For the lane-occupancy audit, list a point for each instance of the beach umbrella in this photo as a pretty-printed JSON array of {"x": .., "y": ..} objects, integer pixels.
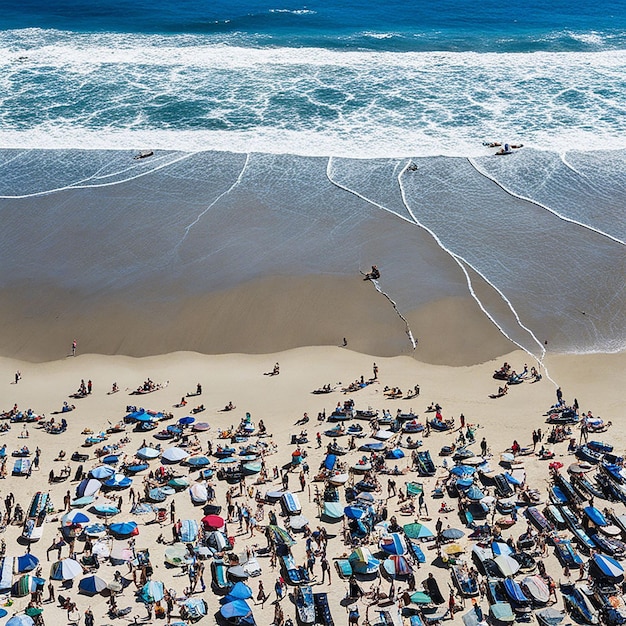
[
  {"x": 92, "y": 585},
  {"x": 26, "y": 584},
  {"x": 235, "y": 609},
  {"x": 175, "y": 430},
  {"x": 212, "y": 522},
  {"x": 397, "y": 565},
  {"x": 354, "y": 512},
  {"x": 393, "y": 543},
  {"x": 452, "y": 534},
  {"x": 174, "y": 455},
  {"x": 88, "y": 487},
  {"x": 177, "y": 555},
  {"x": 118, "y": 481},
  {"x": 239, "y": 591},
  {"x": 152, "y": 591},
  {"x": 228, "y": 459},
  {"x": 178, "y": 483},
  {"x": 3, "y": 613},
  {"x": 66, "y": 569},
  {"x": 148, "y": 453},
  {"x": 20, "y": 620},
  {"x": 157, "y": 495},
  {"x": 198, "y": 493},
  {"x": 185, "y": 421},
  {"x": 453, "y": 548},
  {"x": 95, "y": 530},
  {"x": 75, "y": 517},
  {"x": 417, "y": 531},
  {"x": 105, "y": 509},
  {"x": 111, "y": 459},
  {"x": 362, "y": 561},
  {"x": 500, "y": 547},
  {"x": 198, "y": 461},
  {"x": 26, "y": 563},
  {"x": 201, "y": 426},
  {"x": 102, "y": 472},
  {"x": 124, "y": 529},
  {"x": 365, "y": 497}
]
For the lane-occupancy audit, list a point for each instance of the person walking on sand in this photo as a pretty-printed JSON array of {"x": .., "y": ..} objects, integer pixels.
[
  {"x": 375, "y": 370},
  {"x": 74, "y": 347},
  {"x": 18, "y": 376}
]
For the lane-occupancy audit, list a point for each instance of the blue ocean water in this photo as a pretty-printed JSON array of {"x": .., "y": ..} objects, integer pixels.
[{"x": 390, "y": 104}]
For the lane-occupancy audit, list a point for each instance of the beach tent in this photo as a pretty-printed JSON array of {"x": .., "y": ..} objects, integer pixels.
[
  {"x": 396, "y": 453},
  {"x": 27, "y": 584},
  {"x": 26, "y": 563},
  {"x": 330, "y": 461},
  {"x": 66, "y": 569}
]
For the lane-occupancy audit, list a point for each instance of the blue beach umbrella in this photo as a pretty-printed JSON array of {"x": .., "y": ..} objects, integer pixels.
[
  {"x": 123, "y": 529},
  {"x": 175, "y": 430},
  {"x": 20, "y": 620},
  {"x": 105, "y": 509},
  {"x": 474, "y": 493},
  {"x": 198, "y": 461},
  {"x": 75, "y": 517},
  {"x": 111, "y": 459},
  {"x": 135, "y": 468},
  {"x": 118, "y": 481},
  {"x": 156, "y": 495},
  {"x": 102, "y": 472},
  {"x": 417, "y": 531},
  {"x": 185, "y": 421},
  {"x": 88, "y": 487},
  {"x": 228, "y": 459},
  {"x": 239, "y": 591},
  {"x": 174, "y": 455},
  {"x": 235, "y": 609},
  {"x": 353, "y": 512}
]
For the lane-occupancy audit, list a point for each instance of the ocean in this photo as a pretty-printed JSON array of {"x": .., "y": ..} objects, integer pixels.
[{"x": 288, "y": 136}]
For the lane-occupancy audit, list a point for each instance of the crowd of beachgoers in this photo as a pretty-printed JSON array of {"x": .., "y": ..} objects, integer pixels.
[{"x": 420, "y": 513}]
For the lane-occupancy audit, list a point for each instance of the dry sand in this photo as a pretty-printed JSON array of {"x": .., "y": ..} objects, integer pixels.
[{"x": 279, "y": 401}]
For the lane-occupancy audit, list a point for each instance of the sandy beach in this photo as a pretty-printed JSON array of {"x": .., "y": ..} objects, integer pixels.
[{"x": 280, "y": 401}]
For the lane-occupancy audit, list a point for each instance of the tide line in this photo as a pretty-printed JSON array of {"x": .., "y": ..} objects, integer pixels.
[{"x": 542, "y": 206}]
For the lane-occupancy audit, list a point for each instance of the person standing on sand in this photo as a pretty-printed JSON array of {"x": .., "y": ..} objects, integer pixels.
[
  {"x": 74, "y": 347},
  {"x": 375, "y": 370}
]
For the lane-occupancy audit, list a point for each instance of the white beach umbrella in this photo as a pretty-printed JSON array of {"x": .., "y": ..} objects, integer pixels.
[{"x": 174, "y": 455}]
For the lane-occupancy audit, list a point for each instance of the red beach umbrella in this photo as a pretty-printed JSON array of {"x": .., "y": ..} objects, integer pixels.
[{"x": 212, "y": 521}]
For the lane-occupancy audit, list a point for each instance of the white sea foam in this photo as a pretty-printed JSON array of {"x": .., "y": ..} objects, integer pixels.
[{"x": 113, "y": 91}]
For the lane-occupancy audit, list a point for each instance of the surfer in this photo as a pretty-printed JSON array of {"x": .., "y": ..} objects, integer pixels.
[{"x": 143, "y": 155}]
